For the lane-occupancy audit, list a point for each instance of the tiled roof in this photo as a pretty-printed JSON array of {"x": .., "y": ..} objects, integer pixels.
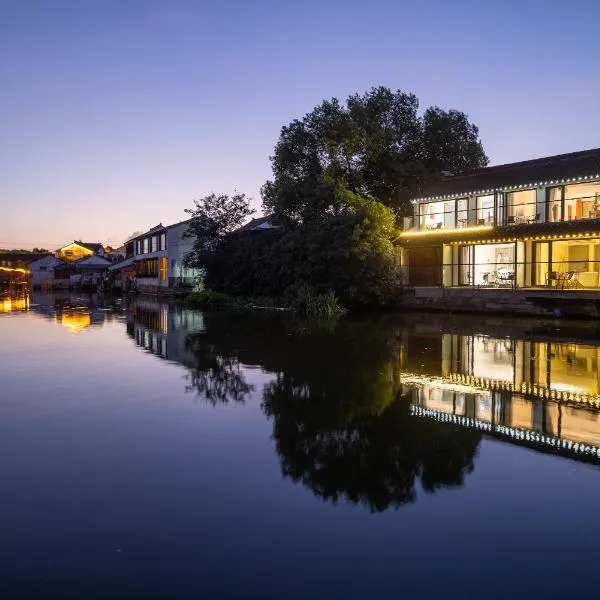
[
  {"x": 94, "y": 247},
  {"x": 258, "y": 223},
  {"x": 551, "y": 168}
]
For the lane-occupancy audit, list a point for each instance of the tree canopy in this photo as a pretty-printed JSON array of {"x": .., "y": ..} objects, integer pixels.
[
  {"x": 375, "y": 145},
  {"x": 212, "y": 219}
]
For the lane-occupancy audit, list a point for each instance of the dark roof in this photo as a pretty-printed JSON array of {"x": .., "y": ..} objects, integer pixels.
[
  {"x": 527, "y": 173},
  {"x": 155, "y": 229},
  {"x": 94, "y": 247},
  {"x": 255, "y": 224}
]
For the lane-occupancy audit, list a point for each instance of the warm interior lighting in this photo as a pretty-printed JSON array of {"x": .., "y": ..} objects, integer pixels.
[{"x": 13, "y": 270}]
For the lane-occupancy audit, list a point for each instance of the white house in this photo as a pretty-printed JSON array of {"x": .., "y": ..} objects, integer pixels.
[
  {"x": 158, "y": 256},
  {"x": 42, "y": 270},
  {"x": 85, "y": 272}
]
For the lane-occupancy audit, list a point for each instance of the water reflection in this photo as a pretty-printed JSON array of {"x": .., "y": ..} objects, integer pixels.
[
  {"x": 75, "y": 312},
  {"x": 340, "y": 425},
  {"x": 11, "y": 304},
  {"x": 541, "y": 393},
  {"x": 375, "y": 408}
]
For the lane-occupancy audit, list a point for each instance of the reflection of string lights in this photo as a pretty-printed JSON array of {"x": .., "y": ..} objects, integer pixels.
[
  {"x": 14, "y": 304},
  {"x": 469, "y": 384},
  {"x": 552, "y": 393},
  {"x": 514, "y": 433}
]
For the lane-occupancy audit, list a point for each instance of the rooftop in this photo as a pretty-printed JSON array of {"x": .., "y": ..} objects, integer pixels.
[{"x": 529, "y": 173}]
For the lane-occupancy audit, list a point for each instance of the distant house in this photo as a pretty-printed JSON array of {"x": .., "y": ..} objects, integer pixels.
[
  {"x": 78, "y": 249},
  {"x": 19, "y": 260},
  {"x": 267, "y": 223},
  {"x": 158, "y": 258},
  {"x": 42, "y": 270},
  {"x": 86, "y": 272}
]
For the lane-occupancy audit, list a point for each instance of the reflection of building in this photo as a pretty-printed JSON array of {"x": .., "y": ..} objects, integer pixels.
[
  {"x": 161, "y": 329},
  {"x": 533, "y": 224},
  {"x": 14, "y": 304},
  {"x": 537, "y": 392}
]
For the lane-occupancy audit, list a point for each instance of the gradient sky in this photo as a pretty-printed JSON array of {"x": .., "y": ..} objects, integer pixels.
[{"x": 116, "y": 114}]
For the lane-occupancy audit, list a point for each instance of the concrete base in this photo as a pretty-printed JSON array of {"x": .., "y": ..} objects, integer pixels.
[{"x": 530, "y": 302}]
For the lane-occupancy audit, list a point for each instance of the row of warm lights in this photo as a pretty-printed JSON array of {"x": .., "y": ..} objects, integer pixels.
[
  {"x": 527, "y": 388},
  {"x": 509, "y": 188},
  {"x": 13, "y": 270},
  {"x": 475, "y": 383},
  {"x": 513, "y": 432},
  {"x": 438, "y": 232},
  {"x": 529, "y": 238}
]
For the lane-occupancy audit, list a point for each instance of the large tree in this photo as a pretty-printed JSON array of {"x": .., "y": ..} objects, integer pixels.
[
  {"x": 212, "y": 219},
  {"x": 376, "y": 145}
]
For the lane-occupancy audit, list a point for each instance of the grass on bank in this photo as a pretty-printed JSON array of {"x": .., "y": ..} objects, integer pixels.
[{"x": 301, "y": 300}]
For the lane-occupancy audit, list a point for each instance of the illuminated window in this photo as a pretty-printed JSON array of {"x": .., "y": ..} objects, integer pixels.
[
  {"x": 521, "y": 207},
  {"x": 163, "y": 268}
]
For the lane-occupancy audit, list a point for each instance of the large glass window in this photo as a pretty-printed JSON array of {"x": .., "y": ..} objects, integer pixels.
[
  {"x": 521, "y": 207},
  {"x": 490, "y": 265},
  {"x": 485, "y": 210},
  {"x": 465, "y": 273},
  {"x": 462, "y": 212},
  {"x": 437, "y": 215},
  {"x": 555, "y": 204},
  {"x": 582, "y": 201},
  {"x": 568, "y": 264}
]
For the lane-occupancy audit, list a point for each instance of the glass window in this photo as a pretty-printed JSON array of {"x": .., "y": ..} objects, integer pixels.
[
  {"x": 163, "y": 268},
  {"x": 521, "y": 207},
  {"x": 555, "y": 204},
  {"x": 582, "y": 201},
  {"x": 542, "y": 263},
  {"x": 146, "y": 244},
  {"x": 437, "y": 215},
  {"x": 462, "y": 212},
  {"x": 485, "y": 210},
  {"x": 163, "y": 241},
  {"x": 491, "y": 265},
  {"x": 466, "y": 265}
]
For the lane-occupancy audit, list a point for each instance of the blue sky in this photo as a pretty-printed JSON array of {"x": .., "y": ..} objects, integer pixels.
[{"x": 116, "y": 114}]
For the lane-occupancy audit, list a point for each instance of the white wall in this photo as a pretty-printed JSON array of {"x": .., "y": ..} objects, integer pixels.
[
  {"x": 177, "y": 247},
  {"x": 42, "y": 270}
]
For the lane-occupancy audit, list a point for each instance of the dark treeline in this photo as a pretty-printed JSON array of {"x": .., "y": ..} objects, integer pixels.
[{"x": 342, "y": 179}]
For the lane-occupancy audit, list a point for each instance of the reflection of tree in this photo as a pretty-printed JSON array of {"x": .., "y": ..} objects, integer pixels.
[
  {"x": 339, "y": 424},
  {"x": 373, "y": 457},
  {"x": 219, "y": 379}
]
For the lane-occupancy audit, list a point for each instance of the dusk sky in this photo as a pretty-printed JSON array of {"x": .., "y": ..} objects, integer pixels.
[{"x": 116, "y": 114}]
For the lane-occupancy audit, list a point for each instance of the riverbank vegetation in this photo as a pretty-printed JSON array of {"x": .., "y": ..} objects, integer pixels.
[{"x": 342, "y": 179}]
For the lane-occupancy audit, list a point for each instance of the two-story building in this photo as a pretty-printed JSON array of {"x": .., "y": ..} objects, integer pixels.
[
  {"x": 155, "y": 260},
  {"x": 532, "y": 224}
]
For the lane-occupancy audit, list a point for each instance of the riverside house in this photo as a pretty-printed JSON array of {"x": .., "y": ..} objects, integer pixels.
[
  {"x": 532, "y": 225},
  {"x": 154, "y": 260}
]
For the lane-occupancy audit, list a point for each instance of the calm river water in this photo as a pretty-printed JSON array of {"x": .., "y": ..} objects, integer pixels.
[{"x": 152, "y": 452}]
